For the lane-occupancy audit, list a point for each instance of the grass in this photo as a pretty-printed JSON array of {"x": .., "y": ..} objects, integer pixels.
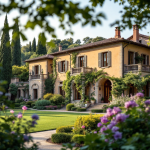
[{"x": 51, "y": 120}]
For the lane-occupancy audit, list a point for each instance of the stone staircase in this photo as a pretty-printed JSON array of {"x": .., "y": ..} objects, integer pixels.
[{"x": 97, "y": 106}]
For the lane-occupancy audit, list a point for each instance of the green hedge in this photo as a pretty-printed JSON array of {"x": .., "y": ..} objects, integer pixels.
[
  {"x": 57, "y": 99},
  {"x": 61, "y": 138},
  {"x": 74, "y": 108},
  {"x": 34, "y": 107},
  {"x": 33, "y": 104},
  {"x": 48, "y": 96},
  {"x": 69, "y": 106},
  {"x": 97, "y": 110},
  {"x": 28, "y": 106},
  {"x": 81, "y": 109},
  {"x": 78, "y": 138},
  {"x": 30, "y": 103},
  {"x": 17, "y": 104},
  {"x": 40, "y": 107},
  {"x": 64, "y": 129},
  {"x": 42, "y": 103}
]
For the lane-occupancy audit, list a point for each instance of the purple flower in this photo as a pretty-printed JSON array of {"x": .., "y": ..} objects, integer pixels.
[
  {"x": 104, "y": 119},
  {"x": 121, "y": 117},
  {"x": 147, "y": 102},
  {"x": 24, "y": 108},
  {"x": 1, "y": 93},
  {"x": 117, "y": 135},
  {"x": 33, "y": 123},
  {"x": 115, "y": 129},
  {"x": 6, "y": 107},
  {"x": 13, "y": 122},
  {"x": 19, "y": 115},
  {"x": 35, "y": 116},
  {"x": 110, "y": 126},
  {"x": 104, "y": 128},
  {"x": 99, "y": 125},
  {"x": 130, "y": 104},
  {"x": 95, "y": 132},
  {"x": 12, "y": 132},
  {"x": 109, "y": 110},
  {"x": 106, "y": 140},
  {"x": 116, "y": 110},
  {"x": 113, "y": 122},
  {"x": 140, "y": 94},
  {"x": 25, "y": 137}
]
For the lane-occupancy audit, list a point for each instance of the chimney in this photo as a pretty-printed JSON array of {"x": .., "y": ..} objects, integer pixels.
[
  {"x": 117, "y": 32},
  {"x": 135, "y": 33},
  {"x": 60, "y": 48}
]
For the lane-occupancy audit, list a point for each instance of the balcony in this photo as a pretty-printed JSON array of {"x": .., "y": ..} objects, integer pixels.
[
  {"x": 81, "y": 70},
  {"x": 39, "y": 76},
  {"x": 136, "y": 68},
  {"x": 35, "y": 76}
]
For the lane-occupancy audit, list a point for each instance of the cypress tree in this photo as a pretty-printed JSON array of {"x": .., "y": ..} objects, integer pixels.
[
  {"x": 33, "y": 48},
  {"x": 16, "y": 48},
  {"x": 29, "y": 46},
  {"x": 41, "y": 49},
  {"x": 5, "y": 56}
]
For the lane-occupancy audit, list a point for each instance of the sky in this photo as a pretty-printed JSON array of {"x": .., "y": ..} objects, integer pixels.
[{"x": 110, "y": 9}]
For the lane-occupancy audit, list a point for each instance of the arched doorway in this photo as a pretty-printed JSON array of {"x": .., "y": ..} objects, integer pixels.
[{"x": 107, "y": 91}]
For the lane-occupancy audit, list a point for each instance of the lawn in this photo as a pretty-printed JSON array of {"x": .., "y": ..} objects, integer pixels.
[{"x": 51, "y": 120}]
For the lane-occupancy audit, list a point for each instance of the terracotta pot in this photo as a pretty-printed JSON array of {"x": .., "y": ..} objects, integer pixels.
[
  {"x": 93, "y": 102},
  {"x": 87, "y": 101}
]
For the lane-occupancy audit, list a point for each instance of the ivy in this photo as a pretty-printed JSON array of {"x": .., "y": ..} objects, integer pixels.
[
  {"x": 73, "y": 58},
  {"x": 54, "y": 67},
  {"x": 13, "y": 88}
]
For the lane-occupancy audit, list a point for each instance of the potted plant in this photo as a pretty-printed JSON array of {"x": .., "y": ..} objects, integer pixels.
[
  {"x": 93, "y": 100},
  {"x": 87, "y": 100},
  {"x": 102, "y": 100}
]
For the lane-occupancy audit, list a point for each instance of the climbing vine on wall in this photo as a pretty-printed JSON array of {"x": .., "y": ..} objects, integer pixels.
[{"x": 73, "y": 58}]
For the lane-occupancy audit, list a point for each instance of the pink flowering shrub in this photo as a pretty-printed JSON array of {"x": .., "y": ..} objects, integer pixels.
[
  {"x": 117, "y": 130},
  {"x": 51, "y": 107}
]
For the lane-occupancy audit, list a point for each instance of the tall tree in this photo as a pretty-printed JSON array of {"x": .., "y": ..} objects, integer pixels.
[
  {"x": 33, "y": 48},
  {"x": 87, "y": 40},
  {"x": 29, "y": 46},
  {"x": 41, "y": 49},
  {"x": 5, "y": 55},
  {"x": 15, "y": 46},
  {"x": 78, "y": 42}
]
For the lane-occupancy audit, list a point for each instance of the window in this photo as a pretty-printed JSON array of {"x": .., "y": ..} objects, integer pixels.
[
  {"x": 77, "y": 95},
  {"x": 36, "y": 69},
  {"x": 63, "y": 66},
  {"x": 81, "y": 60},
  {"x": 131, "y": 57},
  {"x": 145, "y": 59},
  {"x": 62, "y": 92},
  {"x": 105, "y": 59}
]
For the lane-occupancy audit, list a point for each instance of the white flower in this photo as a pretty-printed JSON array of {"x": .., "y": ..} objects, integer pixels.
[{"x": 1, "y": 93}]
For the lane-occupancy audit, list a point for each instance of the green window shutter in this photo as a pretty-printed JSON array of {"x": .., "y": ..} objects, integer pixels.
[
  {"x": 99, "y": 60},
  {"x": 66, "y": 65},
  {"x": 136, "y": 55},
  {"x": 128, "y": 57},
  {"x": 77, "y": 60},
  {"x": 109, "y": 58},
  {"x": 32, "y": 70},
  {"x": 147, "y": 60},
  {"x": 39, "y": 69},
  {"x": 59, "y": 66},
  {"x": 85, "y": 61}
]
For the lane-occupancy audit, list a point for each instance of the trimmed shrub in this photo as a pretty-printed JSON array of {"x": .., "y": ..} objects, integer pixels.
[
  {"x": 78, "y": 138},
  {"x": 58, "y": 106},
  {"x": 40, "y": 107},
  {"x": 17, "y": 104},
  {"x": 29, "y": 103},
  {"x": 69, "y": 106},
  {"x": 74, "y": 108},
  {"x": 33, "y": 104},
  {"x": 61, "y": 138},
  {"x": 17, "y": 107},
  {"x": 28, "y": 106},
  {"x": 81, "y": 109},
  {"x": 97, "y": 110},
  {"x": 42, "y": 103},
  {"x": 90, "y": 122},
  {"x": 56, "y": 99},
  {"x": 22, "y": 103},
  {"x": 64, "y": 129},
  {"x": 17, "y": 100},
  {"x": 48, "y": 96},
  {"x": 34, "y": 107}
]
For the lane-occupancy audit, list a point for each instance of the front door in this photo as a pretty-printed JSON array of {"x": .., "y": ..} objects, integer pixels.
[
  {"x": 35, "y": 94},
  {"x": 107, "y": 91}
]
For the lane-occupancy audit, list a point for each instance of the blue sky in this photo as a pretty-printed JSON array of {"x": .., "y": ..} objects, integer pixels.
[{"x": 110, "y": 9}]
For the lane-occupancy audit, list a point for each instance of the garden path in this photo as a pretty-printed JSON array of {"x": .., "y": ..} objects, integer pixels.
[{"x": 41, "y": 137}]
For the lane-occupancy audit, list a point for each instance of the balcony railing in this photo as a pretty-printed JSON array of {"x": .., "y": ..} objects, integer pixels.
[
  {"x": 39, "y": 76},
  {"x": 35, "y": 76},
  {"x": 136, "y": 68},
  {"x": 81, "y": 70}
]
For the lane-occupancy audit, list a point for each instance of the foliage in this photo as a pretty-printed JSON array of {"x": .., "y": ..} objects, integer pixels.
[
  {"x": 73, "y": 45},
  {"x": 13, "y": 88},
  {"x": 42, "y": 103},
  {"x": 89, "y": 122},
  {"x": 34, "y": 55},
  {"x": 69, "y": 106},
  {"x": 33, "y": 47},
  {"x": 78, "y": 138},
  {"x": 40, "y": 107},
  {"x": 61, "y": 138},
  {"x": 48, "y": 96},
  {"x": 64, "y": 129},
  {"x": 41, "y": 48},
  {"x": 97, "y": 110},
  {"x": 49, "y": 85},
  {"x": 73, "y": 58},
  {"x": 15, "y": 46},
  {"x": 29, "y": 103},
  {"x": 81, "y": 109},
  {"x": 73, "y": 108},
  {"x": 91, "y": 40},
  {"x": 139, "y": 58},
  {"x": 5, "y": 56},
  {"x": 57, "y": 99},
  {"x": 79, "y": 103},
  {"x": 17, "y": 104}
]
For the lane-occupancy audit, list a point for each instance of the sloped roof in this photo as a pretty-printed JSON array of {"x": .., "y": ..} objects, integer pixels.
[
  {"x": 48, "y": 56},
  {"x": 141, "y": 35},
  {"x": 99, "y": 43}
]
